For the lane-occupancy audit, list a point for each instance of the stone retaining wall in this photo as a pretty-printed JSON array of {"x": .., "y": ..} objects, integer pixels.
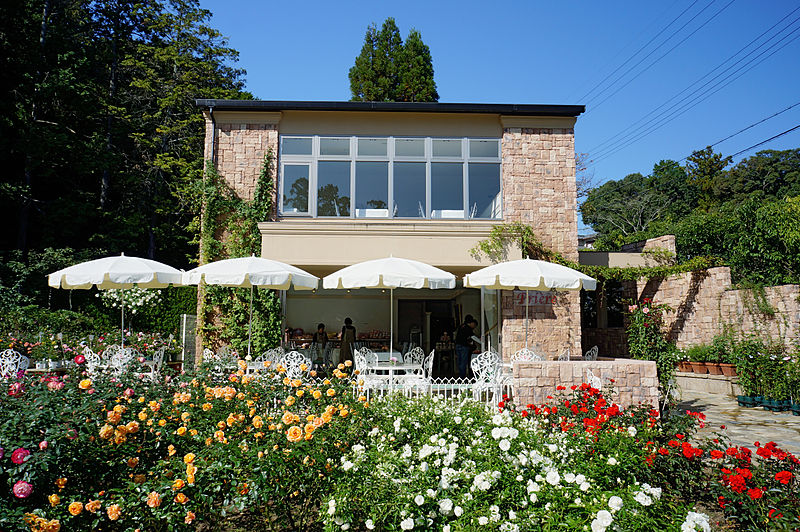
[{"x": 635, "y": 381}]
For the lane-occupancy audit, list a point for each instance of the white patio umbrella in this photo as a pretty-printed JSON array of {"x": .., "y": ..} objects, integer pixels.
[
  {"x": 250, "y": 272},
  {"x": 529, "y": 274},
  {"x": 391, "y": 273},
  {"x": 116, "y": 273}
]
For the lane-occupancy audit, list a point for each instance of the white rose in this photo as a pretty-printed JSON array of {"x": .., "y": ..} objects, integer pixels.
[
  {"x": 420, "y": 500},
  {"x": 446, "y": 528},
  {"x": 445, "y": 506},
  {"x": 369, "y": 524},
  {"x": 615, "y": 503},
  {"x": 407, "y": 524},
  {"x": 505, "y": 445},
  {"x": 643, "y": 499},
  {"x": 584, "y": 486},
  {"x": 553, "y": 478},
  {"x": 612, "y": 461},
  {"x": 458, "y": 510},
  {"x": 632, "y": 431},
  {"x": 483, "y": 520},
  {"x": 605, "y": 517}
]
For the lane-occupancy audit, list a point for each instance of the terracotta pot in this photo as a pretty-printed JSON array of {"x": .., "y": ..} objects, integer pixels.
[
  {"x": 728, "y": 369},
  {"x": 684, "y": 366},
  {"x": 699, "y": 367},
  {"x": 713, "y": 368}
]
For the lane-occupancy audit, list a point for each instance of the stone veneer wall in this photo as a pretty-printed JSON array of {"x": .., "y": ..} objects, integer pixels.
[
  {"x": 538, "y": 171},
  {"x": 635, "y": 381},
  {"x": 240, "y": 154},
  {"x": 703, "y": 304}
]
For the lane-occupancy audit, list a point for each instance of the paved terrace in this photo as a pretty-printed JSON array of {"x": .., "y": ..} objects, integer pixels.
[{"x": 743, "y": 426}]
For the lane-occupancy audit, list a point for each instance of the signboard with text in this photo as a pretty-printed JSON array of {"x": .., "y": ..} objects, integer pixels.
[{"x": 535, "y": 298}]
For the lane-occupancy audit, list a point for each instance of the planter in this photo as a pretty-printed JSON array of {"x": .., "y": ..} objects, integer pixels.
[
  {"x": 784, "y": 405},
  {"x": 684, "y": 366},
  {"x": 747, "y": 401},
  {"x": 758, "y": 400},
  {"x": 774, "y": 405},
  {"x": 699, "y": 367},
  {"x": 713, "y": 368},
  {"x": 796, "y": 409},
  {"x": 728, "y": 370}
]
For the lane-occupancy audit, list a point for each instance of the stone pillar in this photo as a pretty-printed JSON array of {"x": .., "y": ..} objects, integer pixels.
[{"x": 538, "y": 172}]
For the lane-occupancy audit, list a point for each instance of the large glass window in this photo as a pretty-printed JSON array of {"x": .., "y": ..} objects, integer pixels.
[
  {"x": 295, "y": 188},
  {"x": 388, "y": 177},
  {"x": 372, "y": 189},
  {"x": 409, "y": 190},
  {"x": 333, "y": 188}
]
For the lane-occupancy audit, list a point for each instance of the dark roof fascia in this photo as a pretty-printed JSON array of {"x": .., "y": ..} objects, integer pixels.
[{"x": 409, "y": 107}]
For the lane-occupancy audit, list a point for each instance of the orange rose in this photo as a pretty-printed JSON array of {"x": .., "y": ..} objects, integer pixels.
[
  {"x": 331, "y": 392},
  {"x": 258, "y": 422},
  {"x": 54, "y": 499},
  {"x": 318, "y": 422},
  {"x": 309, "y": 428},
  {"x": 106, "y": 431},
  {"x": 132, "y": 427},
  {"x": 188, "y": 458},
  {"x": 327, "y": 417},
  {"x": 133, "y": 462},
  {"x": 189, "y": 518},
  {"x": 178, "y": 484},
  {"x": 294, "y": 434},
  {"x": 207, "y": 407},
  {"x": 93, "y": 506},
  {"x": 317, "y": 394},
  {"x": 181, "y": 431},
  {"x": 139, "y": 478},
  {"x": 190, "y": 479},
  {"x": 287, "y": 418},
  {"x": 180, "y": 498},
  {"x": 61, "y": 482},
  {"x": 113, "y": 512},
  {"x": 153, "y": 499}
]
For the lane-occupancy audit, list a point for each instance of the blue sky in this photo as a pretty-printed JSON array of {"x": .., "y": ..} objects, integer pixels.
[{"x": 555, "y": 52}]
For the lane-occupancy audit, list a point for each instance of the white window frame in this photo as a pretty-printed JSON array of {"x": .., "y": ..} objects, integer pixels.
[{"x": 390, "y": 158}]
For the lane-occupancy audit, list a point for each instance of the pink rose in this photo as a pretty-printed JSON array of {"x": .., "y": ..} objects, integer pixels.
[
  {"x": 646, "y": 310},
  {"x": 20, "y": 456},
  {"x": 54, "y": 385},
  {"x": 43, "y": 445},
  {"x": 22, "y": 489},
  {"x": 631, "y": 308},
  {"x": 79, "y": 359},
  {"x": 16, "y": 389},
  {"x": 128, "y": 392}
]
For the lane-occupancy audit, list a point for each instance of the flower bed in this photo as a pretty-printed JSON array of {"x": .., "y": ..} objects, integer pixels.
[{"x": 118, "y": 454}]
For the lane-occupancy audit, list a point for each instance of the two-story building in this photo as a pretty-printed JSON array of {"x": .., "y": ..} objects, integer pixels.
[{"x": 361, "y": 180}]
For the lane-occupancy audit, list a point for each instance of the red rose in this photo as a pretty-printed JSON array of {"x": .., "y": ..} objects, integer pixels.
[
  {"x": 79, "y": 359},
  {"x": 20, "y": 456},
  {"x": 755, "y": 493},
  {"x": 737, "y": 483},
  {"x": 784, "y": 477},
  {"x": 715, "y": 454}
]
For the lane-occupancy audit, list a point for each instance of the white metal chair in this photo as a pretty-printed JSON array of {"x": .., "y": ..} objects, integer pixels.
[
  {"x": 154, "y": 366},
  {"x": 525, "y": 355},
  {"x": 486, "y": 368},
  {"x": 12, "y": 363},
  {"x": 120, "y": 359},
  {"x": 425, "y": 378},
  {"x": 414, "y": 356},
  {"x": 591, "y": 354},
  {"x": 94, "y": 362},
  {"x": 293, "y": 362}
]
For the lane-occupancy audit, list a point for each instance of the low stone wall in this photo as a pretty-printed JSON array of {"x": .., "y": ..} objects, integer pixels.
[
  {"x": 716, "y": 384},
  {"x": 635, "y": 381}
]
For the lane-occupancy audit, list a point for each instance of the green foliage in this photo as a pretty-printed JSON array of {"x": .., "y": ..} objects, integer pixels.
[
  {"x": 387, "y": 70},
  {"x": 704, "y": 169},
  {"x": 229, "y": 229},
  {"x": 646, "y": 340}
]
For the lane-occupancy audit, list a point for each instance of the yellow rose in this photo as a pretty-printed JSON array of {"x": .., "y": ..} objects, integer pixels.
[
  {"x": 331, "y": 392},
  {"x": 85, "y": 384},
  {"x": 61, "y": 482},
  {"x": 178, "y": 484},
  {"x": 54, "y": 499},
  {"x": 113, "y": 512},
  {"x": 132, "y": 427},
  {"x": 75, "y": 508},
  {"x": 93, "y": 506},
  {"x": 309, "y": 428},
  {"x": 348, "y": 363},
  {"x": 258, "y": 422},
  {"x": 294, "y": 434},
  {"x": 207, "y": 407},
  {"x": 106, "y": 431},
  {"x": 316, "y": 394},
  {"x": 181, "y": 431},
  {"x": 189, "y": 518},
  {"x": 188, "y": 458},
  {"x": 290, "y": 401},
  {"x": 180, "y": 498}
]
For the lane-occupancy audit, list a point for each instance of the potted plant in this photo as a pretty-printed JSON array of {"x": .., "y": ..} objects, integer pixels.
[
  {"x": 696, "y": 356},
  {"x": 682, "y": 362},
  {"x": 794, "y": 383}
]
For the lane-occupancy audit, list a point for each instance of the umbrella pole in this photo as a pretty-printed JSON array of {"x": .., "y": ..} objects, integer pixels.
[
  {"x": 122, "y": 326},
  {"x": 391, "y": 318},
  {"x": 250, "y": 325},
  {"x": 526, "y": 319}
]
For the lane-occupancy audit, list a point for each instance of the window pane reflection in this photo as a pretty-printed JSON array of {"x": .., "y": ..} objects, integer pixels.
[
  {"x": 409, "y": 190},
  {"x": 483, "y": 148},
  {"x": 447, "y": 147},
  {"x": 292, "y": 146},
  {"x": 334, "y": 146},
  {"x": 333, "y": 188},
  {"x": 447, "y": 190},
  {"x": 372, "y": 189},
  {"x": 372, "y": 147},
  {"x": 484, "y": 190},
  {"x": 295, "y": 188},
  {"x": 409, "y": 147}
]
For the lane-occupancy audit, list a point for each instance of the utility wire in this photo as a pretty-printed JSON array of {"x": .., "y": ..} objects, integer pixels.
[
  {"x": 702, "y": 97},
  {"x": 754, "y": 124},
  {"x": 628, "y": 130},
  {"x": 765, "y": 141},
  {"x": 639, "y": 50},
  {"x": 649, "y": 54},
  {"x": 598, "y": 104}
]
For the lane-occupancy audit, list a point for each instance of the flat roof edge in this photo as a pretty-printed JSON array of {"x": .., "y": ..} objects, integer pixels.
[{"x": 415, "y": 107}]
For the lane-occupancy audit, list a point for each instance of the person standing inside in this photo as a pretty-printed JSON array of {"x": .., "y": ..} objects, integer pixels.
[
  {"x": 465, "y": 345},
  {"x": 320, "y": 337},
  {"x": 348, "y": 336}
]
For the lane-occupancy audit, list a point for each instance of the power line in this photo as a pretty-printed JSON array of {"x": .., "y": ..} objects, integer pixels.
[
  {"x": 765, "y": 141},
  {"x": 651, "y": 52},
  {"x": 639, "y": 50},
  {"x": 628, "y": 133},
  {"x": 622, "y": 144},
  {"x": 712, "y": 17},
  {"x": 749, "y": 127}
]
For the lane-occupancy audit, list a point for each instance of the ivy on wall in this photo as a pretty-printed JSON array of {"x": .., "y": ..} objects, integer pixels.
[
  {"x": 229, "y": 229},
  {"x": 503, "y": 236}
]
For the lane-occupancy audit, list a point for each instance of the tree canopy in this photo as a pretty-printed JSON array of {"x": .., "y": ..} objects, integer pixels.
[
  {"x": 388, "y": 70},
  {"x": 746, "y": 214}
]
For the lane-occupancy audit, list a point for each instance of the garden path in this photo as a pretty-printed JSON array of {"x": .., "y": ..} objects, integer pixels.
[{"x": 743, "y": 426}]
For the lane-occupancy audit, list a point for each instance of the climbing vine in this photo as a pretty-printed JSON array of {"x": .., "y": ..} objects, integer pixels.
[
  {"x": 229, "y": 229},
  {"x": 503, "y": 236}
]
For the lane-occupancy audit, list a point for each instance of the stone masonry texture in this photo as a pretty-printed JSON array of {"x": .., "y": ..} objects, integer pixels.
[
  {"x": 538, "y": 168},
  {"x": 634, "y": 381}
]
